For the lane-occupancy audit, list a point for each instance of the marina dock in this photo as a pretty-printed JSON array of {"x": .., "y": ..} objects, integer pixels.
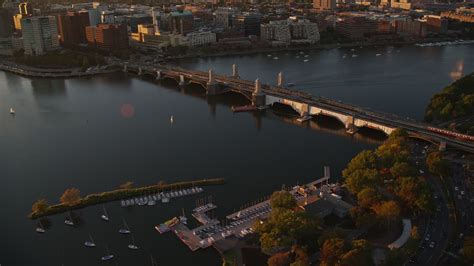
[{"x": 163, "y": 197}]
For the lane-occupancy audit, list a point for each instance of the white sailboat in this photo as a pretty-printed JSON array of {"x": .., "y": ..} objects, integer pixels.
[
  {"x": 90, "y": 243},
  {"x": 183, "y": 218},
  {"x": 40, "y": 228},
  {"x": 125, "y": 230},
  {"x": 108, "y": 256},
  {"x": 171, "y": 119},
  {"x": 68, "y": 220},
  {"x": 132, "y": 245},
  {"x": 12, "y": 112},
  {"x": 104, "y": 216}
]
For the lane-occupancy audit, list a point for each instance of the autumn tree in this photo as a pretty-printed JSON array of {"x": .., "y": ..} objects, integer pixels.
[
  {"x": 126, "y": 185},
  {"x": 387, "y": 211},
  {"x": 279, "y": 259},
  {"x": 367, "y": 197},
  {"x": 70, "y": 196},
  {"x": 437, "y": 164},
  {"x": 468, "y": 249},
  {"x": 40, "y": 206},
  {"x": 332, "y": 251}
]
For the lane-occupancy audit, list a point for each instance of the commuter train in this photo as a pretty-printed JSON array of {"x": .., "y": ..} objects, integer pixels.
[{"x": 452, "y": 134}]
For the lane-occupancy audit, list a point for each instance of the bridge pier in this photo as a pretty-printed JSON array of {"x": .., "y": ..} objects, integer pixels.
[
  {"x": 280, "y": 80},
  {"x": 258, "y": 97},
  {"x": 212, "y": 87},
  {"x": 182, "y": 81},
  {"x": 235, "y": 71}
]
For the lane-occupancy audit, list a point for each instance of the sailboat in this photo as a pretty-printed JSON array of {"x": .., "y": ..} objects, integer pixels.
[
  {"x": 153, "y": 262},
  {"x": 109, "y": 256},
  {"x": 12, "y": 112},
  {"x": 125, "y": 230},
  {"x": 183, "y": 218},
  {"x": 133, "y": 246},
  {"x": 40, "y": 228},
  {"x": 68, "y": 220},
  {"x": 105, "y": 216},
  {"x": 90, "y": 243},
  {"x": 171, "y": 119}
]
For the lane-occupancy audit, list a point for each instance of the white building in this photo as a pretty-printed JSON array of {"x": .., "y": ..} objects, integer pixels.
[
  {"x": 201, "y": 38},
  {"x": 40, "y": 34},
  {"x": 293, "y": 30}
]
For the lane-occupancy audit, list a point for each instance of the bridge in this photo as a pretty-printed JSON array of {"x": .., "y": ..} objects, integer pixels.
[{"x": 306, "y": 105}]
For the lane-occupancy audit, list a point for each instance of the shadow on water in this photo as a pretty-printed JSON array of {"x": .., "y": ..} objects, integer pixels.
[
  {"x": 278, "y": 111},
  {"x": 48, "y": 87}
]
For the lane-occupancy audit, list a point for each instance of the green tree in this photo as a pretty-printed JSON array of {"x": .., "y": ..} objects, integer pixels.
[
  {"x": 70, "y": 196},
  {"x": 282, "y": 199},
  {"x": 437, "y": 164},
  {"x": 367, "y": 197},
  {"x": 402, "y": 169}
]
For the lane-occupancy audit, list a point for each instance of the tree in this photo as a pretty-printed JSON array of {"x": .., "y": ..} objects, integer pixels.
[
  {"x": 437, "y": 165},
  {"x": 331, "y": 251},
  {"x": 40, "y": 206},
  {"x": 126, "y": 185},
  {"x": 70, "y": 196},
  {"x": 468, "y": 249},
  {"x": 402, "y": 169},
  {"x": 282, "y": 199},
  {"x": 387, "y": 210},
  {"x": 301, "y": 256},
  {"x": 367, "y": 197},
  {"x": 279, "y": 259}
]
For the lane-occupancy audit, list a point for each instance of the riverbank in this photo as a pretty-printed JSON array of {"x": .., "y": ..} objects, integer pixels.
[
  {"x": 259, "y": 50},
  {"x": 98, "y": 198},
  {"x": 34, "y": 72}
]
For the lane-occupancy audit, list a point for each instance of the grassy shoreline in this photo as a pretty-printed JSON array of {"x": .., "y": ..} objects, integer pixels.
[{"x": 98, "y": 198}]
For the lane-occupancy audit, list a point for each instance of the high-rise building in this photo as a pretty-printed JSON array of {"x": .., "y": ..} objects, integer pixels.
[
  {"x": 94, "y": 16},
  {"x": 6, "y": 23},
  {"x": 25, "y": 9},
  {"x": 322, "y": 5},
  {"x": 181, "y": 22},
  {"x": 72, "y": 27},
  {"x": 248, "y": 23},
  {"x": 224, "y": 16},
  {"x": 107, "y": 36},
  {"x": 40, "y": 34},
  {"x": 291, "y": 30}
]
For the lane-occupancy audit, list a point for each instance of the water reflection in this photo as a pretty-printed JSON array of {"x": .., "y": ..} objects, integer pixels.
[
  {"x": 458, "y": 71},
  {"x": 48, "y": 87}
]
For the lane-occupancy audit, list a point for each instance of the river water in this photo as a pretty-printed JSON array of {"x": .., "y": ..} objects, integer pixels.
[{"x": 97, "y": 133}]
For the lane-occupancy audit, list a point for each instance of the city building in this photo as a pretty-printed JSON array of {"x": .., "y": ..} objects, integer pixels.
[
  {"x": 107, "y": 36},
  {"x": 293, "y": 30},
  {"x": 401, "y": 4},
  {"x": 436, "y": 24},
  {"x": 201, "y": 38},
  {"x": 72, "y": 27},
  {"x": 224, "y": 16},
  {"x": 181, "y": 22},
  {"x": 411, "y": 28},
  {"x": 40, "y": 34},
  {"x": 6, "y": 23},
  {"x": 356, "y": 27},
  {"x": 94, "y": 16},
  {"x": 248, "y": 23},
  {"x": 25, "y": 9},
  {"x": 324, "y": 5},
  {"x": 463, "y": 14},
  {"x": 134, "y": 20}
]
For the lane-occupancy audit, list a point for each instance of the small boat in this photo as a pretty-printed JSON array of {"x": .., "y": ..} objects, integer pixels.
[
  {"x": 275, "y": 58},
  {"x": 69, "y": 221},
  {"x": 40, "y": 228},
  {"x": 354, "y": 55},
  {"x": 352, "y": 50},
  {"x": 306, "y": 55},
  {"x": 12, "y": 112},
  {"x": 151, "y": 203},
  {"x": 297, "y": 56},
  {"x": 104, "y": 216},
  {"x": 301, "y": 52},
  {"x": 306, "y": 60},
  {"x": 289, "y": 84},
  {"x": 133, "y": 246},
  {"x": 244, "y": 108},
  {"x": 269, "y": 55},
  {"x": 171, "y": 119},
  {"x": 125, "y": 230},
  {"x": 109, "y": 256},
  {"x": 166, "y": 226},
  {"x": 90, "y": 243},
  {"x": 183, "y": 219},
  {"x": 378, "y": 54}
]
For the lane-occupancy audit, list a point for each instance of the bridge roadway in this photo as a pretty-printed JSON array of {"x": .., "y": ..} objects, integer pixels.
[{"x": 304, "y": 103}]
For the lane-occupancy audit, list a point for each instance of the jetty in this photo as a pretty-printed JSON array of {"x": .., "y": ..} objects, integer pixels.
[{"x": 172, "y": 190}]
